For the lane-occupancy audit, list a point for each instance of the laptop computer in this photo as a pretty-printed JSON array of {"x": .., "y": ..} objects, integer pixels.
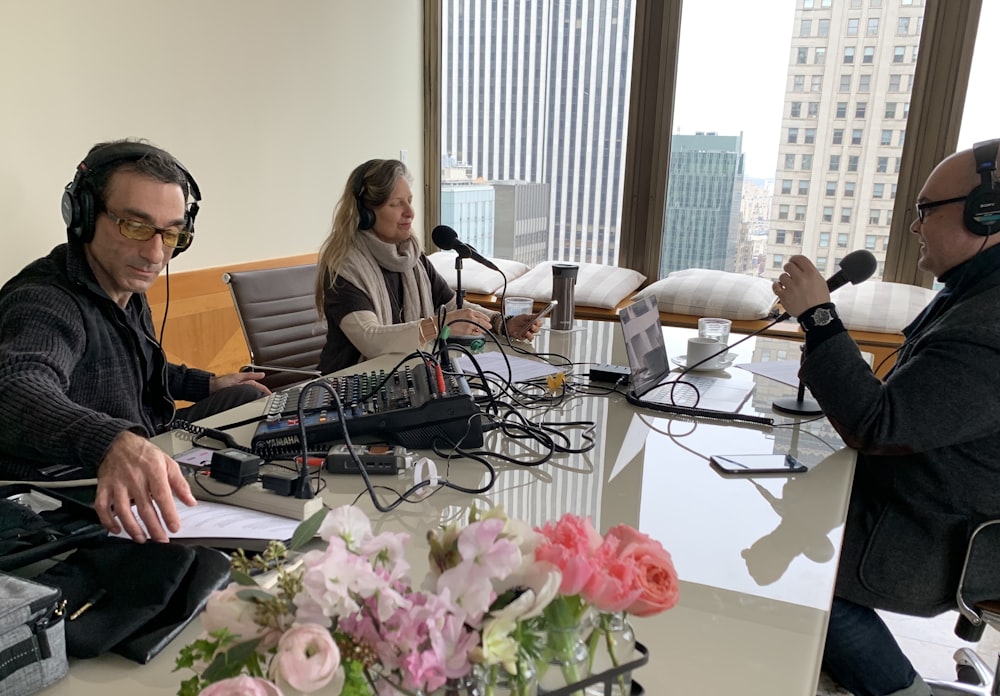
[{"x": 651, "y": 383}]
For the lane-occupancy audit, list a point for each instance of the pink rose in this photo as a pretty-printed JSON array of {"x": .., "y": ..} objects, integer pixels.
[
  {"x": 614, "y": 586},
  {"x": 570, "y": 544},
  {"x": 307, "y": 659},
  {"x": 241, "y": 686},
  {"x": 657, "y": 577}
]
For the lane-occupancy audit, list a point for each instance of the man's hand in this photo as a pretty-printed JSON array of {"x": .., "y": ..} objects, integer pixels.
[
  {"x": 223, "y": 381},
  {"x": 135, "y": 471},
  {"x": 522, "y": 328},
  {"x": 801, "y": 286}
]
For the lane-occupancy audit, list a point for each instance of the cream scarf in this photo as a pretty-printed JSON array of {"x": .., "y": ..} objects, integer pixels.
[{"x": 363, "y": 268}]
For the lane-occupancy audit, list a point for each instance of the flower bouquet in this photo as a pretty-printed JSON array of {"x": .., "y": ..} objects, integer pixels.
[{"x": 347, "y": 619}]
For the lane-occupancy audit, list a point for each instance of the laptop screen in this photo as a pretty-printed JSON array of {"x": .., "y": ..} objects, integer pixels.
[{"x": 647, "y": 353}]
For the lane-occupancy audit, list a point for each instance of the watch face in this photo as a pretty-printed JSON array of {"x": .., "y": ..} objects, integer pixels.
[{"x": 821, "y": 317}]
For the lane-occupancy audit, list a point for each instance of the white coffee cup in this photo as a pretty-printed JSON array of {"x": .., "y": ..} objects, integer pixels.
[{"x": 699, "y": 349}]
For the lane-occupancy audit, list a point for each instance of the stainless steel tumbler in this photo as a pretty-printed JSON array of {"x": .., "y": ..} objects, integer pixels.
[{"x": 563, "y": 290}]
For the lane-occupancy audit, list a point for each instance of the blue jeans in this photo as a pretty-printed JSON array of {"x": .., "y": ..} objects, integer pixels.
[{"x": 861, "y": 655}]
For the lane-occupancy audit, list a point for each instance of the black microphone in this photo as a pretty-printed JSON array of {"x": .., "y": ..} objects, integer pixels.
[
  {"x": 856, "y": 267},
  {"x": 446, "y": 238}
]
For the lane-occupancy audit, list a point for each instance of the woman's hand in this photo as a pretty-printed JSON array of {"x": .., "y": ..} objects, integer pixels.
[
  {"x": 467, "y": 322},
  {"x": 522, "y": 328}
]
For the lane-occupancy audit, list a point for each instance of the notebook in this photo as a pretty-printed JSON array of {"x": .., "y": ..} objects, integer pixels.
[{"x": 652, "y": 385}]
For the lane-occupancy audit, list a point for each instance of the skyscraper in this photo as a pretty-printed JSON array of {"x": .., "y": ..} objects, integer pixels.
[
  {"x": 847, "y": 99},
  {"x": 538, "y": 91}
]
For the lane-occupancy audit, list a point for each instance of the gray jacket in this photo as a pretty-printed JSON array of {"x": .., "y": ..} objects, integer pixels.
[{"x": 928, "y": 438}]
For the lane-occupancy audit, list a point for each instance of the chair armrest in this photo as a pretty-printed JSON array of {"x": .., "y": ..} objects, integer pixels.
[{"x": 964, "y": 608}]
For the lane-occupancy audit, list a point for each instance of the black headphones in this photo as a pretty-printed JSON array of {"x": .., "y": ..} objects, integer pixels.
[
  {"x": 79, "y": 207},
  {"x": 982, "y": 205},
  {"x": 366, "y": 217}
]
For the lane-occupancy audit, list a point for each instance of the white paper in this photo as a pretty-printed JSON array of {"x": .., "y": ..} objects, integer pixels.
[
  {"x": 784, "y": 371},
  {"x": 521, "y": 369},
  {"x": 208, "y": 520}
]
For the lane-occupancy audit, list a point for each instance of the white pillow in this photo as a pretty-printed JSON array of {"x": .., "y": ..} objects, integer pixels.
[
  {"x": 880, "y": 306},
  {"x": 702, "y": 292},
  {"x": 597, "y": 285},
  {"x": 476, "y": 277}
]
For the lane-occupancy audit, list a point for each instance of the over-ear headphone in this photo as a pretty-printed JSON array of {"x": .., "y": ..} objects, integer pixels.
[
  {"x": 79, "y": 206},
  {"x": 982, "y": 205},
  {"x": 366, "y": 217}
]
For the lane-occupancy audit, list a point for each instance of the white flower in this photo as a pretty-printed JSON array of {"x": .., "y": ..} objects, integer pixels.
[
  {"x": 538, "y": 583},
  {"x": 349, "y": 523}
]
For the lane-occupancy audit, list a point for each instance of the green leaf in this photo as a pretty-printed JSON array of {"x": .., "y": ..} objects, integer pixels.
[
  {"x": 305, "y": 532},
  {"x": 241, "y": 578},
  {"x": 230, "y": 663},
  {"x": 250, "y": 595}
]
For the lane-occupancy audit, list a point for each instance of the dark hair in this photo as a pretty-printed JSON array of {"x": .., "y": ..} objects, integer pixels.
[{"x": 156, "y": 164}]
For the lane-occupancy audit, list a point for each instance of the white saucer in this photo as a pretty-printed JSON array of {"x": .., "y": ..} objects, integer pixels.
[{"x": 681, "y": 361}]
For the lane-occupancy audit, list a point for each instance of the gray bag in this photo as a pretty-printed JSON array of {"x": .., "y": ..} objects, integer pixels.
[{"x": 32, "y": 636}]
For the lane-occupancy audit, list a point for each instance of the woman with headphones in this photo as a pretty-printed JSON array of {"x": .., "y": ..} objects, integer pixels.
[{"x": 376, "y": 287}]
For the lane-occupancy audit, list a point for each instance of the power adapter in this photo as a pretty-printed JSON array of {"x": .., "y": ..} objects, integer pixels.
[
  {"x": 616, "y": 374},
  {"x": 286, "y": 483},
  {"x": 235, "y": 467}
]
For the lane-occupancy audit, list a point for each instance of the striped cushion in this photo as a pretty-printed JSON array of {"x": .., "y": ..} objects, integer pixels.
[
  {"x": 476, "y": 277},
  {"x": 597, "y": 285},
  {"x": 706, "y": 293},
  {"x": 880, "y": 306}
]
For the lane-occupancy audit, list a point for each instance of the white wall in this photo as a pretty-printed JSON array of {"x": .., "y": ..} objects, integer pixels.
[{"x": 268, "y": 103}]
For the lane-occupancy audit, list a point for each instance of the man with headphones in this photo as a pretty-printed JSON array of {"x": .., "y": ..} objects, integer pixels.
[
  {"x": 83, "y": 379},
  {"x": 928, "y": 436}
]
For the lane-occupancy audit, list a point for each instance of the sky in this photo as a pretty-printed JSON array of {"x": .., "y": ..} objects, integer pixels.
[{"x": 736, "y": 80}]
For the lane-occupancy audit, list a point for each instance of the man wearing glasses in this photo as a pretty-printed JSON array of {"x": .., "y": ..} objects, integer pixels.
[
  {"x": 928, "y": 436},
  {"x": 83, "y": 379}
]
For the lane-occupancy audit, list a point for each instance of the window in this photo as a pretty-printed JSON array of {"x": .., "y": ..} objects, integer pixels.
[
  {"x": 821, "y": 263},
  {"x": 824, "y": 239},
  {"x": 813, "y": 109},
  {"x": 856, "y": 134},
  {"x": 807, "y": 163},
  {"x": 898, "y": 54},
  {"x": 852, "y": 163},
  {"x": 870, "y": 242},
  {"x": 882, "y": 166},
  {"x": 845, "y": 215},
  {"x": 823, "y": 27},
  {"x": 786, "y": 185},
  {"x": 848, "y": 55},
  {"x": 913, "y": 58},
  {"x": 816, "y": 83},
  {"x": 869, "y": 55},
  {"x": 838, "y": 136},
  {"x": 803, "y": 187},
  {"x": 894, "y": 82},
  {"x": 888, "y": 216},
  {"x": 827, "y": 214},
  {"x": 793, "y": 135},
  {"x": 878, "y": 190},
  {"x": 886, "y": 138},
  {"x": 820, "y": 56},
  {"x": 800, "y": 213},
  {"x": 796, "y": 110},
  {"x": 807, "y": 4},
  {"x": 789, "y": 161},
  {"x": 779, "y": 236},
  {"x": 777, "y": 261},
  {"x": 906, "y": 110},
  {"x": 783, "y": 211},
  {"x": 805, "y": 28},
  {"x": 885, "y": 244},
  {"x": 898, "y": 159},
  {"x": 873, "y": 26},
  {"x": 810, "y": 136},
  {"x": 841, "y": 109},
  {"x": 864, "y": 83},
  {"x": 890, "y": 110},
  {"x": 903, "y": 26},
  {"x": 860, "y": 109},
  {"x": 848, "y": 189},
  {"x": 842, "y": 240},
  {"x": 845, "y": 83},
  {"x": 797, "y": 237},
  {"x": 798, "y": 83},
  {"x": 802, "y": 56},
  {"x": 873, "y": 217},
  {"x": 902, "y": 137},
  {"x": 852, "y": 26},
  {"x": 834, "y": 163},
  {"x": 831, "y": 188},
  {"x": 855, "y": 4},
  {"x": 892, "y": 193}
]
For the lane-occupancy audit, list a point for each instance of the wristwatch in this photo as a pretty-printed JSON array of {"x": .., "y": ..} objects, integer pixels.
[{"x": 820, "y": 315}]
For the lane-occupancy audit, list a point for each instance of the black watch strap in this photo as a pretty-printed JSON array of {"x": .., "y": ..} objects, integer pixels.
[{"x": 818, "y": 316}]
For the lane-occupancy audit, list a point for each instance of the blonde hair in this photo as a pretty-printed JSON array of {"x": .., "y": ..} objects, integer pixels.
[{"x": 369, "y": 185}]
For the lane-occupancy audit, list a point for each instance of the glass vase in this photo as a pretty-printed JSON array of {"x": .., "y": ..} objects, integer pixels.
[
  {"x": 566, "y": 660},
  {"x": 496, "y": 681},
  {"x": 611, "y": 644},
  {"x": 469, "y": 685}
]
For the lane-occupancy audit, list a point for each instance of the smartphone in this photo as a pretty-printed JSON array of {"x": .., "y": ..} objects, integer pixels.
[
  {"x": 541, "y": 314},
  {"x": 756, "y": 464}
]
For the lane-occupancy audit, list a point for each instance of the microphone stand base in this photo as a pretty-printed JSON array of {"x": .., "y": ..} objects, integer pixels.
[{"x": 796, "y": 406}]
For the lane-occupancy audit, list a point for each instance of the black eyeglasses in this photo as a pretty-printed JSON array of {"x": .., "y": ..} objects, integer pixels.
[
  {"x": 922, "y": 208},
  {"x": 175, "y": 237}
]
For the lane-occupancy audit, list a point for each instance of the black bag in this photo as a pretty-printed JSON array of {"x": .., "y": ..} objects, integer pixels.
[
  {"x": 36, "y": 524},
  {"x": 145, "y": 594},
  {"x": 32, "y": 646}
]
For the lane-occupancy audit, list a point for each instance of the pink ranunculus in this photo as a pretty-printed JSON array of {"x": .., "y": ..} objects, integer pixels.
[
  {"x": 570, "y": 544},
  {"x": 615, "y": 585},
  {"x": 241, "y": 686},
  {"x": 307, "y": 659},
  {"x": 656, "y": 576}
]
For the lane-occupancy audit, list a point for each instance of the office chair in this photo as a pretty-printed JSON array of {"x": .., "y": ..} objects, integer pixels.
[
  {"x": 277, "y": 312},
  {"x": 975, "y": 678}
]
